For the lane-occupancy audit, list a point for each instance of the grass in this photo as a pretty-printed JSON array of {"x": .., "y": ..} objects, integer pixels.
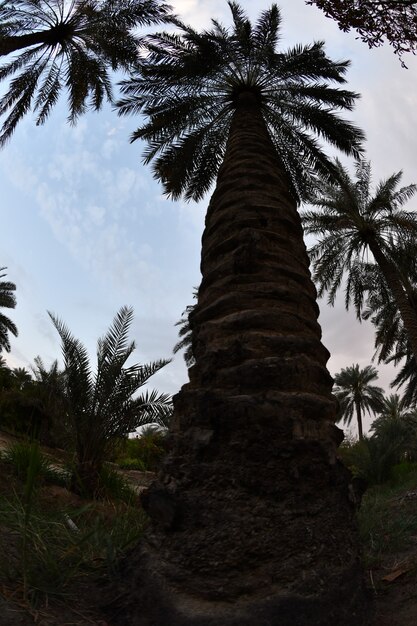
[
  {"x": 56, "y": 542},
  {"x": 388, "y": 519}
]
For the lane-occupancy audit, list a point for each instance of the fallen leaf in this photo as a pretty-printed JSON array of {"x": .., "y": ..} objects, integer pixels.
[{"x": 389, "y": 578}]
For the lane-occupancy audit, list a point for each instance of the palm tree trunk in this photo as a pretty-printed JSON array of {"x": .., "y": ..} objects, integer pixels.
[
  {"x": 393, "y": 280},
  {"x": 251, "y": 519},
  {"x": 52, "y": 37},
  {"x": 359, "y": 419}
]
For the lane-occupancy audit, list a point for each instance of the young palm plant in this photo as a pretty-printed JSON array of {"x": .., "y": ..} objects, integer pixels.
[
  {"x": 356, "y": 395},
  {"x": 253, "y": 431},
  {"x": 102, "y": 407},
  {"x": 7, "y": 300},
  {"x": 350, "y": 221},
  {"x": 72, "y": 45}
]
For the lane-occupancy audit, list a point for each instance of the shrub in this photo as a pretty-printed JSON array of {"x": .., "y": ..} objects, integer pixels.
[
  {"x": 24, "y": 455},
  {"x": 146, "y": 451}
]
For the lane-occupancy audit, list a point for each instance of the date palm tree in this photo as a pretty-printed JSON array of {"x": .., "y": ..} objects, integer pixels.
[
  {"x": 253, "y": 431},
  {"x": 356, "y": 395},
  {"x": 103, "y": 406},
  {"x": 7, "y": 300},
  {"x": 391, "y": 340},
  {"x": 72, "y": 45},
  {"x": 185, "y": 334},
  {"x": 395, "y": 428},
  {"x": 350, "y": 221}
]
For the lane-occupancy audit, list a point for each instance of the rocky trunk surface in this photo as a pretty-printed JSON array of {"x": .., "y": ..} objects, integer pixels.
[{"x": 251, "y": 521}]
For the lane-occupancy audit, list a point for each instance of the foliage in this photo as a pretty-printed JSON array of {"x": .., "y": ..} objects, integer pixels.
[
  {"x": 396, "y": 427},
  {"x": 47, "y": 394},
  {"x": 355, "y": 393},
  {"x": 187, "y": 85},
  {"x": 36, "y": 406},
  {"x": 389, "y": 453},
  {"x": 7, "y": 300},
  {"x": 56, "y": 546},
  {"x": 101, "y": 407},
  {"x": 391, "y": 341},
  {"x": 350, "y": 219},
  {"x": 145, "y": 452},
  {"x": 25, "y": 455},
  {"x": 185, "y": 334},
  {"x": 71, "y": 45},
  {"x": 113, "y": 486},
  {"x": 393, "y": 20},
  {"x": 388, "y": 519}
]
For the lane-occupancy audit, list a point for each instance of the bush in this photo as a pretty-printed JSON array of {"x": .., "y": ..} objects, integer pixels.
[
  {"x": 24, "y": 455},
  {"x": 144, "y": 452},
  {"x": 402, "y": 472}
]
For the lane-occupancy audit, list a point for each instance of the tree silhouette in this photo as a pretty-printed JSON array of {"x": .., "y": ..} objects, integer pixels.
[{"x": 253, "y": 431}]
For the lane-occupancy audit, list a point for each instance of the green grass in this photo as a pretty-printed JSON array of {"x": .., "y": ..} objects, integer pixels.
[
  {"x": 388, "y": 519},
  {"x": 53, "y": 546}
]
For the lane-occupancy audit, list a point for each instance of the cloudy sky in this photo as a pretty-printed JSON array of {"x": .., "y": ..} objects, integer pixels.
[{"x": 85, "y": 229}]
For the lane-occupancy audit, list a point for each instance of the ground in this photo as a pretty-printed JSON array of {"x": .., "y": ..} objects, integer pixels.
[{"x": 388, "y": 522}]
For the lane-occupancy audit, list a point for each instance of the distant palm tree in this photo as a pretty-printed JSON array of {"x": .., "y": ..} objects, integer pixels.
[
  {"x": 103, "y": 406},
  {"x": 7, "y": 300},
  {"x": 396, "y": 427},
  {"x": 66, "y": 44},
  {"x": 21, "y": 377},
  {"x": 392, "y": 340},
  {"x": 356, "y": 395},
  {"x": 351, "y": 221}
]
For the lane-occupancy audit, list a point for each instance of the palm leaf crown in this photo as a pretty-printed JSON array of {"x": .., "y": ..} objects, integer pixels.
[
  {"x": 78, "y": 43},
  {"x": 188, "y": 84},
  {"x": 346, "y": 217}
]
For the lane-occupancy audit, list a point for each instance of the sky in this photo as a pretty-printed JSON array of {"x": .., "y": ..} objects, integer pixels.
[{"x": 85, "y": 229}]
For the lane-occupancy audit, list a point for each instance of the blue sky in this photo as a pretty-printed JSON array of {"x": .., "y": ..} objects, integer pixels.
[{"x": 85, "y": 228}]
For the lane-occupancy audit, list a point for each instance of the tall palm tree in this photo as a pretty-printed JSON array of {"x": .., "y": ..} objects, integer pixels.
[
  {"x": 7, "y": 300},
  {"x": 356, "y": 395},
  {"x": 253, "y": 431},
  {"x": 66, "y": 44},
  {"x": 350, "y": 222},
  {"x": 102, "y": 406}
]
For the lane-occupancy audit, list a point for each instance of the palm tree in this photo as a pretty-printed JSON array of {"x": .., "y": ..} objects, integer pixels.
[
  {"x": 396, "y": 428},
  {"x": 7, "y": 300},
  {"x": 254, "y": 439},
  {"x": 101, "y": 407},
  {"x": 185, "y": 334},
  {"x": 21, "y": 377},
  {"x": 66, "y": 44},
  {"x": 356, "y": 395},
  {"x": 350, "y": 221},
  {"x": 391, "y": 340}
]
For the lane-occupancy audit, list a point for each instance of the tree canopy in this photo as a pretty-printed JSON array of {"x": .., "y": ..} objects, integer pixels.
[
  {"x": 188, "y": 84},
  {"x": 7, "y": 300},
  {"x": 356, "y": 394},
  {"x": 375, "y": 21},
  {"x": 66, "y": 45}
]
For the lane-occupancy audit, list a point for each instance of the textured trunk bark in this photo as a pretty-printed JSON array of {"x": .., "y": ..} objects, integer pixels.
[
  {"x": 251, "y": 520},
  {"x": 359, "y": 419},
  {"x": 405, "y": 306}
]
